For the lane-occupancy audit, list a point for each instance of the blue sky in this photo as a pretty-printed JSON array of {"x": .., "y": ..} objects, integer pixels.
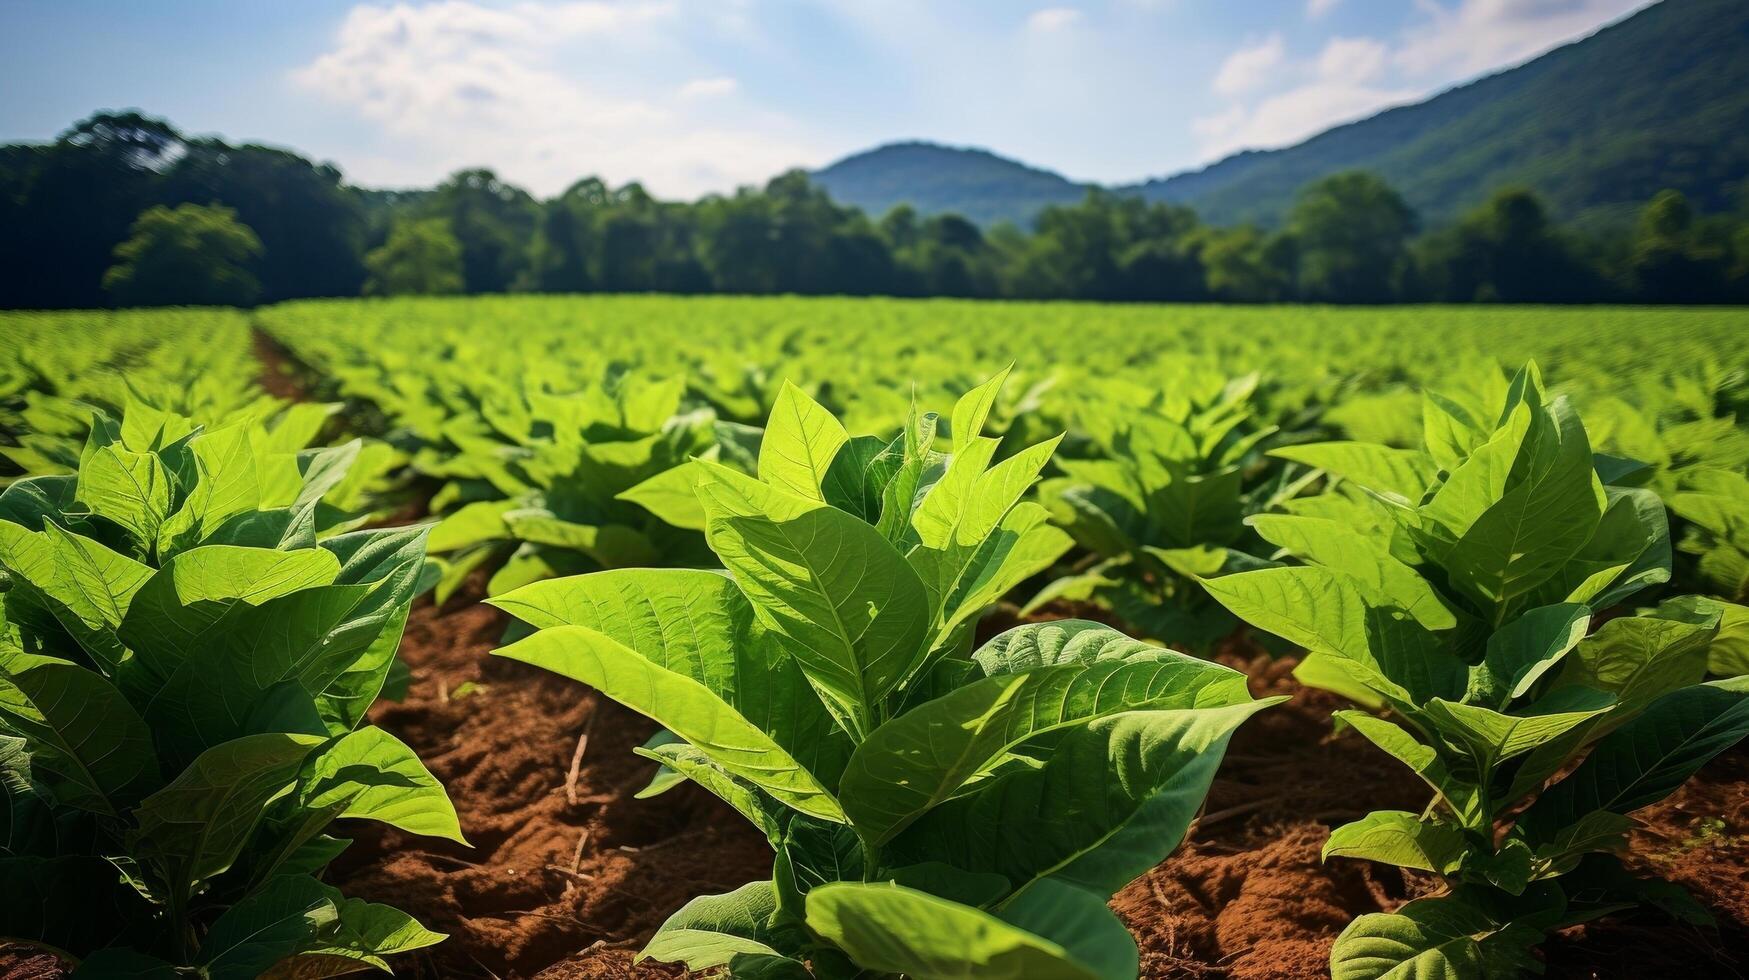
[{"x": 693, "y": 96}]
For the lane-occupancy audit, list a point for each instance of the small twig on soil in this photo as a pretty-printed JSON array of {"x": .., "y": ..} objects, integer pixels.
[
  {"x": 577, "y": 855},
  {"x": 577, "y": 756},
  {"x": 1230, "y": 812},
  {"x": 442, "y": 691}
]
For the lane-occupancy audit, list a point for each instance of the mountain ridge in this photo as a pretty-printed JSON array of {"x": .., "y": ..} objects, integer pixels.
[{"x": 1596, "y": 126}]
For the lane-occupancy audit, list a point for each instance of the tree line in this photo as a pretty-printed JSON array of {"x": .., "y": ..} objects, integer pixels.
[{"x": 122, "y": 209}]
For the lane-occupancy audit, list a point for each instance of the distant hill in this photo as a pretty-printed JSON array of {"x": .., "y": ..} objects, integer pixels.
[
  {"x": 1660, "y": 99},
  {"x": 932, "y": 178}
]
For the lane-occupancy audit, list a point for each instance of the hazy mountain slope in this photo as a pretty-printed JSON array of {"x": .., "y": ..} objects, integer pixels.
[
  {"x": 932, "y": 178},
  {"x": 1597, "y": 127}
]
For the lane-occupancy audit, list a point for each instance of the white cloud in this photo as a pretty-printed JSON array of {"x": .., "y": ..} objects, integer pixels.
[
  {"x": 1250, "y": 68},
  {"x": 1474, "y": 36},
  {"x": 1340, "y": 85},
  {"x": 460, "y": 83},
  {"x": 1277, "y": 100},
  {"x": 1351, "y": 59},
  {"x": 709, "y": 88},
  {"x": 1052, "y": 19}
]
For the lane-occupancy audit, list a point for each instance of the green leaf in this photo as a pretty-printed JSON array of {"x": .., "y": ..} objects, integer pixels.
[
  {"x": 1445, "y": 938},
  {"x": 1399, "y": 838},
  {"x": 193, "y": 828},
  {"x": 671, "y": 495},
  {"x": 369, "y": 932},
  {"x": 1490, "y": 737},
  {"x": 846, "y": 605},
  {"x": 923, "y": 757},
  {"x": 1426, "y": 763},
  {"x": 801, "y": 439},
  {"x": 283, "y": 918},
  {"x": 371, "y": 775},
  {"x": 192, "y": 593},
  {"x": 1115, "y": 796},
  {"x": 699, "y": 625},
  {"x": 682, "y": 705},
  {"x": 973, "y": 409},
  {"x": 859, "y": 474},
  {"x": 1404, "y": 472},
  {"x": 1522, "y": 651},
  {"x": 1638, "y": 658},
  {"x": 480, "y": 521},
  {"x": 1519, "y": 509},
  {"x": 711, "y": 930},
  {"x": 1080, "y": 922},
  {"x": 130, "y": 488},
  {"x": 85, "y": 741},
  {"x": 1643, "y": 761},
  {"x": 1328, "y": 614},
  {"x": 891, "y": 929},
  {"x": 1360, "y": 556}
]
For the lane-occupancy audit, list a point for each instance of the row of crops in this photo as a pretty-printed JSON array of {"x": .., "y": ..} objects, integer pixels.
[{"x": 1514, "y": 542}]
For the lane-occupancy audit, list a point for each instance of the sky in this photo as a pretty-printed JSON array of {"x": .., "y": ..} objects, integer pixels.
[{"x": 699, "y": 96}]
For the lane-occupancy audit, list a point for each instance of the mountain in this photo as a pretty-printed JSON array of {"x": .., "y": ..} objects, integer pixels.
[
  {"x": 1596, "y": 127},
  {"x": 932, "y": 178}
]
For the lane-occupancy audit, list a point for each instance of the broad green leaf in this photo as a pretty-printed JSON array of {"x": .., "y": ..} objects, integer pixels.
[
  {"x": 1490, "y": 737},
  {"x": 973, "y": 409},
  {"x": 687, "y": 762},
  {"x": 85, "y": 741},
  {"x": 193, "y": 828},
  {"x": 1519, "y": 509},
  {"x": 1399, "y": 838},
  {"x": 1442, "y": 938},
  {"x": 193, "y": 591},
  {"x": 897, "y": 930},
  {"x": 923, "y": 757},
  {"x": 474, "y": 523},
  {"x": 1328, "y": 614},
  {"x": 859, "y": 474},
  {"x": 680, "y": 704},
  {"x": 801, "y": 438},
  {"x": 1638, "y": 658},
  {"x": 1360, "y": 556},
  {"x": 1080, "y": 922},
  {"x": 1522, "y": 651},
  {"x": 133, "y": 489},
  {"x": 1643, "y": 761},
  {"x": 372, "y": 775},
  {"x": 283, "y": 918},
  {"x": 1115, "y": 796},
  {"x": 711, "y": 930},
  {"x": 1421, "y": 758},
  {"x": 671, "y": 495},
  {"x": 1404, "y": 472},
  {"x": 369, "y": 932},
  {"x": 846, "y": 605},
  {"x": 696, "y": 624}
]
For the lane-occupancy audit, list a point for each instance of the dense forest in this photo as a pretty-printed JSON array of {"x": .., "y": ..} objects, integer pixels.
[{"x": 123, "y": 209}]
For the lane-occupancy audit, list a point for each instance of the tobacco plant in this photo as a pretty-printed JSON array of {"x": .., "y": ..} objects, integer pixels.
[
  {"x": 1159, "y": 500},
  {"x": 1473, "y": 625},
  {"x": 541, "y": 480},
  {"x": 184, "y": 673},
  {"x": 935, "y": 812}
]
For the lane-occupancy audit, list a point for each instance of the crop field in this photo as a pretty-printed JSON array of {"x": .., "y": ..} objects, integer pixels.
[{"x": 849, "y": 639}]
